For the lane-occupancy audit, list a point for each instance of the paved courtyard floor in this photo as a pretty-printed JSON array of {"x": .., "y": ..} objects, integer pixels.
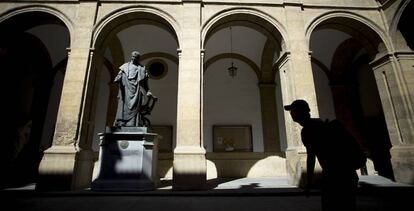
[{"x": 246, "y": 194}]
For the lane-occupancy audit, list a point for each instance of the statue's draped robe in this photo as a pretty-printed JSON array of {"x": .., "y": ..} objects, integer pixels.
[{"x": 133, "y": 89}]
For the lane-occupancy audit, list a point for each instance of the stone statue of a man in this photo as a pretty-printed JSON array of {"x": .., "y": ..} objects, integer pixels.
[{"x": 133, "y": 92}]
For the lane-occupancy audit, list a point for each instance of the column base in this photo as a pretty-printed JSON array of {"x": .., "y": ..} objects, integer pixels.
[
  {"x": 296, "y": 168},
  {"x": 84, "y": 164},
  {"x": 189, "y": 168},
  {"x": 56, "y": 169},
  {"x": 402, "y": 159}
]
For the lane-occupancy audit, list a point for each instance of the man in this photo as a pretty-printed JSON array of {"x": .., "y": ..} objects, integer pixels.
[
  {"x": 133, "y": 91},
  {"x": 339, "y": 180}
]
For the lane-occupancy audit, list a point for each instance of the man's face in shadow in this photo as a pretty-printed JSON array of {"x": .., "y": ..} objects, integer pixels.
[{"x": 299, "y": 115}]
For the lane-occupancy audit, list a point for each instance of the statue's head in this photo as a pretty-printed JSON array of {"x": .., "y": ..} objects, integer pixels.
[{"x": 135, "y": 56}]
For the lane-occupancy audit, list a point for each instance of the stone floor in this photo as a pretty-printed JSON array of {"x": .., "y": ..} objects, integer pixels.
[{"x": 375, "y": 193}]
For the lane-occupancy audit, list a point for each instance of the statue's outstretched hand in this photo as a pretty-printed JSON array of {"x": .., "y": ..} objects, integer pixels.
[{"x": 118, "y": 77}]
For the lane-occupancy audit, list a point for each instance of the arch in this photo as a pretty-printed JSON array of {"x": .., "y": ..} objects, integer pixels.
[
  {"x": 376, "y": 33},
  {"x": 396, "y": 19},
  {"x": 269, "y": 23},
  {"x": 124, "y": 15},
  {"x": 349, "y": 69},
  {"x": 105, "y": 36},
  {"x": 8, "y": 15},
  {"x": 28, "y": 112}
]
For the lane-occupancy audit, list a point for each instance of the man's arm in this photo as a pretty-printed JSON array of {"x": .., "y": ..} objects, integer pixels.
[
  {"x": 310, "y": 160},
  {"x": 310, "y": 168}
]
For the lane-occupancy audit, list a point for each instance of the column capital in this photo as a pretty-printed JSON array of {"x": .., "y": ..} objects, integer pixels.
[
  {"x": 298, "y": 3},
  {"x": 192, "y": 1},
  {"x": 400, "y": 55},
  {"x": 284, "y": 56},
  {"x": 381, "y": 61}
]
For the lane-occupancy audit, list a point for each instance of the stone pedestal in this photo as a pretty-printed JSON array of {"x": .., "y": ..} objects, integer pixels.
[{"x": 127, "y": 160}]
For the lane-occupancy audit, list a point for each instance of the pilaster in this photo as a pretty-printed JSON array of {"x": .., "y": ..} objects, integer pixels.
[
  {"x": 189, "y": 165},
  {"x": 270, "y": 127},
  {"x": 394, "y": 77},
  {"x": 65, "y": 162},
  {"x": 296, "y": 83}
]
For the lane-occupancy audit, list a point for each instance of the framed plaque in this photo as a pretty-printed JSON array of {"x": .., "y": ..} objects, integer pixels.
[{"x": 232, "y": 138}]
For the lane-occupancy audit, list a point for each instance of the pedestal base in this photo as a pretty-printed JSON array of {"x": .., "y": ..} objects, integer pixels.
[{"x": 128, "y": 160}]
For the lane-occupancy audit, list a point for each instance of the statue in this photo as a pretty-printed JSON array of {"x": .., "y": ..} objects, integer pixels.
[{"x": 134, "y": 98}]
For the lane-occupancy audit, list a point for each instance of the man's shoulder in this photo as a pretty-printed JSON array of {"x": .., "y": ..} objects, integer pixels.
[
  {"x": 313, "y": 125},
  {"x": 314, "y": 122}
]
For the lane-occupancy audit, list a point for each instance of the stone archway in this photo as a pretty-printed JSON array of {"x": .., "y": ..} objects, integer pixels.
[
  {"x": 155, "y": 37},
  {"x": 250, "y": 41},
  {"x": 33, "y": 51},
  {"x": 400, "y": 28},
  {"x": 348, "y": 47},
  {"x": 395, "y": 73}
]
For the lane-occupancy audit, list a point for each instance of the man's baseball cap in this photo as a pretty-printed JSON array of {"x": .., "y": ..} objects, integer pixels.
[{"x": 298, "y": 105}]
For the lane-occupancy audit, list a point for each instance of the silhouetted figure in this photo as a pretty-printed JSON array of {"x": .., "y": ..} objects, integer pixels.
[
  {"x": 133, "y": 93},
  {"x": 339, "y": 177}
]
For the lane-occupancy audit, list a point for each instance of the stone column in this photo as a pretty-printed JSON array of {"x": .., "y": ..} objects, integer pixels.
[
  {"x": 65, "y": 165},
  {"x": 270, "y": 127},
  {"x": 267, "y": 88},
  {"x": 296, "y": 83},
  {"x": 189, "y": 165},
  {"x": 395, "y": 80}
]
